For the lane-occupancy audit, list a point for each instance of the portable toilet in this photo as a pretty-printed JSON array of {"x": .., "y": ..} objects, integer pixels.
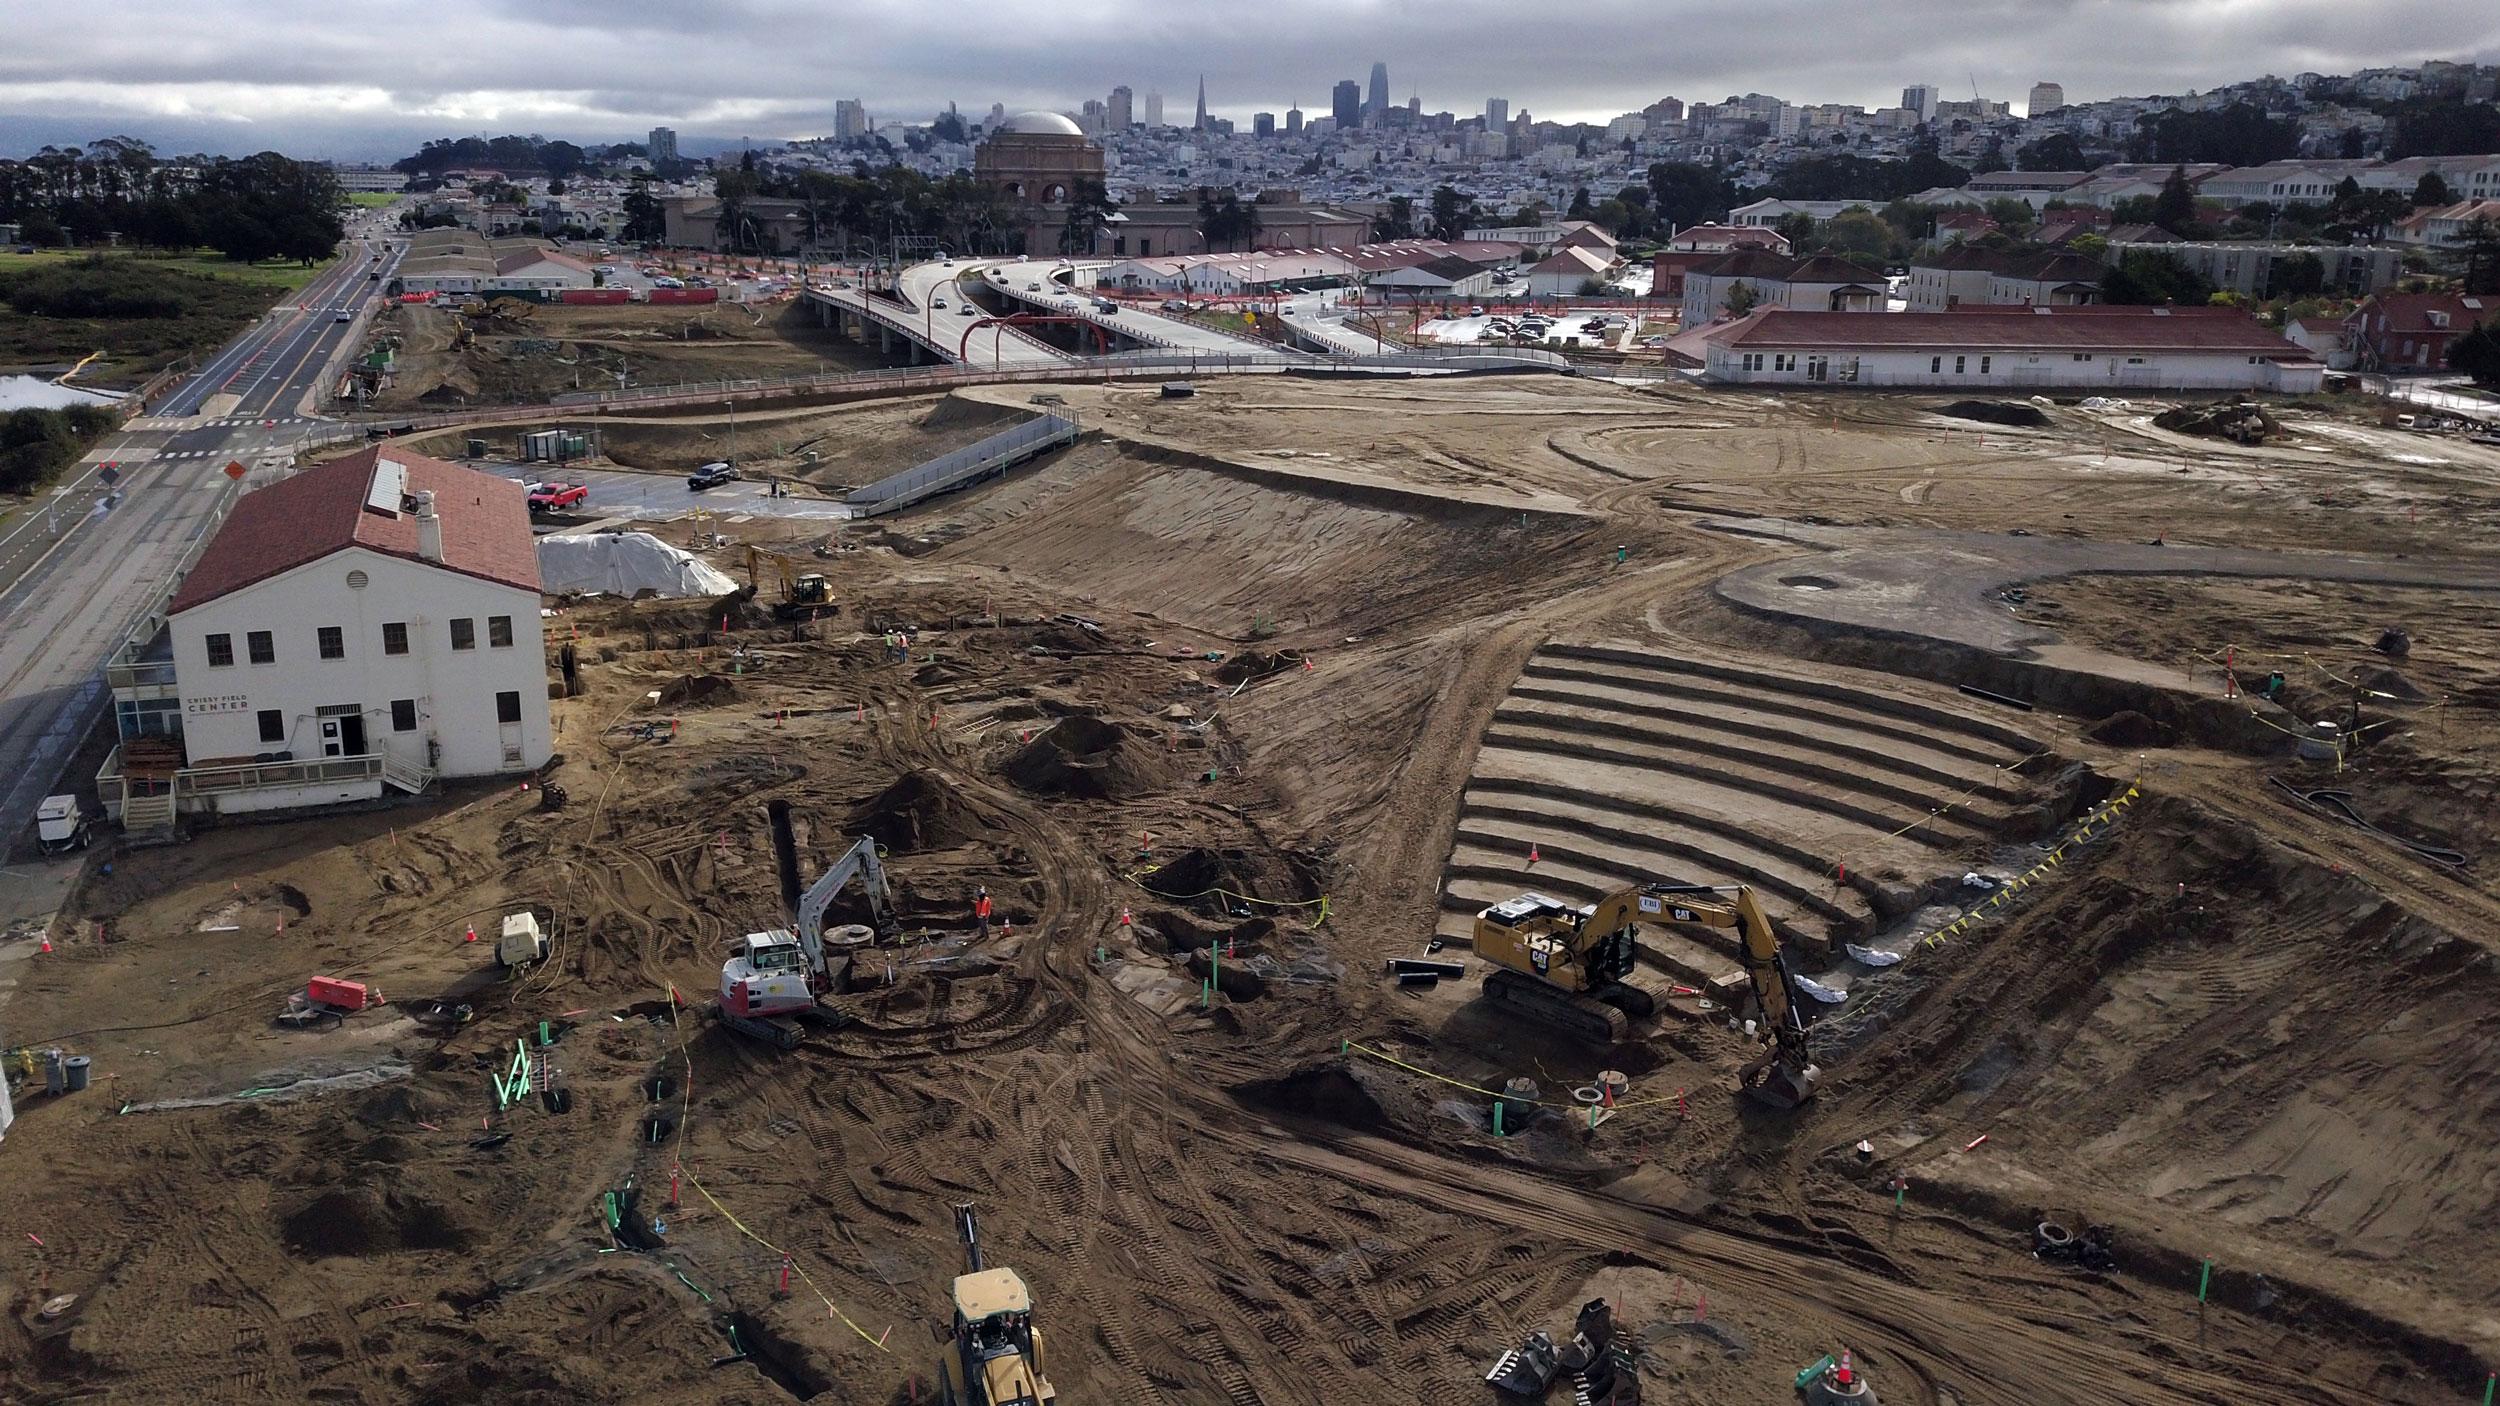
[{"x": 522, "y": 943}]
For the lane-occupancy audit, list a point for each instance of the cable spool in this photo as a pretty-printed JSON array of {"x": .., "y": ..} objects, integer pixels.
[{"x": 1587, "y": 1093}]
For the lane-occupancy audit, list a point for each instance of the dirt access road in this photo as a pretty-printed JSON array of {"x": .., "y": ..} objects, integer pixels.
[{"x": 2227, "y": 1026}]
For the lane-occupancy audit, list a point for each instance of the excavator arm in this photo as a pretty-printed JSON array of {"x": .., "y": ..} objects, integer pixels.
[
  {"x": 859, "y": 861},
  {"x": 1785, "y": 1076}
]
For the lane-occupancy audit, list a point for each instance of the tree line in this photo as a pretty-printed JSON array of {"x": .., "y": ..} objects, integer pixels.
[{"x": 247, "y": 208}]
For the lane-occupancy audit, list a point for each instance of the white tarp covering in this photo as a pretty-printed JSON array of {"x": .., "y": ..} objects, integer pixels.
[{"x": 623, "y": 564}]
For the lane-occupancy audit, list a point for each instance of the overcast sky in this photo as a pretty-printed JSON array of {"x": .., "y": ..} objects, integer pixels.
[{"x": 371, "y": 78}]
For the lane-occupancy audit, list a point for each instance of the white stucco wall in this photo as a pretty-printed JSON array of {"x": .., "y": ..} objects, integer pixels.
[
  {"x": 2018, "y": 370},
  {"x": 456, "y": 730}
]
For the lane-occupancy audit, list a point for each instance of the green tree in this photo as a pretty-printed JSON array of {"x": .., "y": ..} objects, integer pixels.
[
  {"x": 2058, "y": 151},
  {"x": 2480, "y": 241},
  {"x": 1452, "y": 212},
  {"x": 2299, "y": 276},
  {"x": 1681, "y": 194},
  {"x": 1089, "y": 214},
  {"x": 1398, "y": 221},
  {"x": 1580, "y": 207},
  {"x": 2432, "y": 190},
  {"x": 1741, "y": 298},
  {"x": 2477, "y": 354},
  {"x": 2175, "y": 208},
  {"x": 1797, "y": 229},
  {"x": 645, "y": 221},
  {"x": 2145, "y": 278},
  {"x": 1861, "y": 235}
]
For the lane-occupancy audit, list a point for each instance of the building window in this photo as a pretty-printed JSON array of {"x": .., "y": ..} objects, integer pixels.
[
  {"x": 1983, "y": 364},
  {"x": 2082, "y": 356},
  {"x": 264, "y": 650},
  {"x": 1959, "y": 364},
  {"x": 507, "y": 707},
  {"x": 403, "y": 715},
  {"x": 1935, "y": 366},
  {"x": 464, "y": 633},
  {"x": 272, "y": 725},
  {"x": 394, "y": 637},
  {"x": 2135, "y": 361},
  {"x": 1785, "y": 361},
  {"x": 333, "y": 642},
  {"x": 499, "y": 631},
  {"x": 1753, "y": 361},
  {"x": 220, "y": 651}
]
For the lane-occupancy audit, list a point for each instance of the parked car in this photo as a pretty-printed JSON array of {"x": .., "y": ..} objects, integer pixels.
[
  {"x": 1476, "y": 311},
  {"x": 668, "y": 283},
  {"x": 547, "y": 497},
  {"x": 711, "y": 476}
]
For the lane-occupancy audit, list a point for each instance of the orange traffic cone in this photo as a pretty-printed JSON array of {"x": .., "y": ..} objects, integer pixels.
[
  {"x": 472, "y": 937},
  {"x": 1306, "y": 664},
  {"x": 1533, "y": 856},
  {"x": 47, "y": 942},
  {"x": 1125, "y": 921}
]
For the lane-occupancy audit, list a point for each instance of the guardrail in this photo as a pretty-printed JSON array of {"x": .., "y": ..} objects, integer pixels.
[
  {"x": 904, "y": 379},
  {"x": 961, "y": 466}
]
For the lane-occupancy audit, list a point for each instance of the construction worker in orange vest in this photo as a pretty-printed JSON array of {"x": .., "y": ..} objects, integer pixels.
[{"x": 981, "y": 911}]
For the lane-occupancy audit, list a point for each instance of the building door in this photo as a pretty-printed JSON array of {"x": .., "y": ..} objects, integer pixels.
[
  {"x": 1818, "y": 368},
  {"x": 342, "y": 730}
]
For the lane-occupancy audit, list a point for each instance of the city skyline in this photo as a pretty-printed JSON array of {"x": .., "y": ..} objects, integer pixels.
[{"x": 226, "y": 76}]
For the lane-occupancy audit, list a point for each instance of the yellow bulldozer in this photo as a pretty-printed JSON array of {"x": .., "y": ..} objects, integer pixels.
[
  {"x": 1566, "y": 967},
  {"x": 994, "y": 1353}
]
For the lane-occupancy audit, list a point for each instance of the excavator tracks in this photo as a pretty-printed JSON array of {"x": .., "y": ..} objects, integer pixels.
[{"x": 1581, "y": 1017}]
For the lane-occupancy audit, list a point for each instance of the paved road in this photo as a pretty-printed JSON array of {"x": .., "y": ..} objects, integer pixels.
[
  {"x": 79, "y": 571},
  {"x": 921, "y": 286},
  {"x": 1038, "y": 285},
  {"x": 278, "y": 362}
]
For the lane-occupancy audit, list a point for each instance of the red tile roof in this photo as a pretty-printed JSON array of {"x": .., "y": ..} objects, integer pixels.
[
  {"x": 486, "y": 525},
  {"x": 2114, "y": 329}
]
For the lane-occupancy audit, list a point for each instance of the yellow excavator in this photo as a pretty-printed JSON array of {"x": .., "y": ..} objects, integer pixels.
[
  {"x": 1566, "y": 967},
  {"x": 994, "y": 1353}
]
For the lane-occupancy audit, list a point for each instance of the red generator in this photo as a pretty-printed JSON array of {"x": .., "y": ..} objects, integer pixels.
[{"x": 343, "y": 995}]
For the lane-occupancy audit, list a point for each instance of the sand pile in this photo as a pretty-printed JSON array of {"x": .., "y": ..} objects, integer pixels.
[
  {"x": 1093, "y": 759},
  {"x": 918, "y": 812},
  {"x": 624, "y": 564},
  {"x": 1997, "y": 412}
]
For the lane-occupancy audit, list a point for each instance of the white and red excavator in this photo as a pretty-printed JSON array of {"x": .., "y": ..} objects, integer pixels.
[{"x": 772, "y": 989}]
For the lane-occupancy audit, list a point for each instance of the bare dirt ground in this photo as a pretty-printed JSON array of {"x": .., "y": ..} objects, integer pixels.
[
  {"x": 1227, "y": 704},
  {"x": 447, "y": 358}
]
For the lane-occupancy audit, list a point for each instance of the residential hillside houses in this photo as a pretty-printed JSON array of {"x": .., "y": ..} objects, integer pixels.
[
  {"x": 1767, "y": 280},
  {"x": 2412, "y": 331}
]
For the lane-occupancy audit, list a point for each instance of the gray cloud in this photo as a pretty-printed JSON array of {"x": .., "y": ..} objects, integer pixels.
[{"x": 374, "y": 78}]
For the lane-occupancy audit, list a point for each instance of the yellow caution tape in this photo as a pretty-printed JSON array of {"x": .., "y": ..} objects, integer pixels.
[{"x": 684, "y": 1116}]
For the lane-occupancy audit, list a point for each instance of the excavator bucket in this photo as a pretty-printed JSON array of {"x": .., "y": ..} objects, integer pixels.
[{"x": 1784, "y": 1086}]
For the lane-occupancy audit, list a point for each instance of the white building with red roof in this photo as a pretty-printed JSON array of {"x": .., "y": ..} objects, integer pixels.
[
  {"x": 370, "y": 621},
  {"x": 2087, "y": 349}
]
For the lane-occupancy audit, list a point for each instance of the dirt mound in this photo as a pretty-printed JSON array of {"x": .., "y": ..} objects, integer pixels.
[
  {"x": 2242, "y": 423},
  {"x": 1997, "y": 412},
  {"x": 957, "y": 412},
  {"x": 918, "y": 812},
  {"x": 698, "y": 691},
  {"x": 364, "y": 1221},
  {"x": 2394, "y": 684},
  {"x": 1223, "y": 881},
  {"x": 2129, "y": 728},
  {"x": 1330, "y": 1091},
  {"x": 1093, "y": 759},
  {"x": 1256, "y": 664}
]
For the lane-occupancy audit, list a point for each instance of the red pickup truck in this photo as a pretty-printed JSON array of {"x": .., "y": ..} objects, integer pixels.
[{"x": 547, "y": 497}]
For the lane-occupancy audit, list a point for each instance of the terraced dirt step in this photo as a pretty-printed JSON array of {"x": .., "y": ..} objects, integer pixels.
[
  {"x": 1796, "y": 759},
  {"x": 1656, "y": 859},
  {"x": 1878, "y": 753},
  {"x": 1713, "y": 694},
  {"x": 1584, "y": 879},
  {"x": 1694, "y": 956},
  {"x": 1905, "y": 704},
  {"x": 1765, "y": 847},
  {"x": 1665, "y": 766}
]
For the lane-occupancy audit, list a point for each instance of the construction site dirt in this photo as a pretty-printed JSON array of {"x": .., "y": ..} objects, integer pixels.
[{"x": 1228, "y": 706}]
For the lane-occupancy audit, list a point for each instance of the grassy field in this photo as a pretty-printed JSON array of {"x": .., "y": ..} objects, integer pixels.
[
  {"x": 142, "y": 311},
  {"x": 275, "y": 275},
  {"x": 370, "y": 199}
]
